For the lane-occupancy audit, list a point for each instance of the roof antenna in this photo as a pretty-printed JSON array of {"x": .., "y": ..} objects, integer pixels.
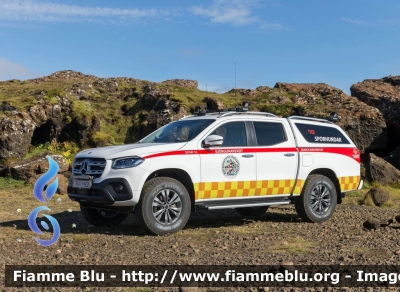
[{"x": 206, "y": 99}]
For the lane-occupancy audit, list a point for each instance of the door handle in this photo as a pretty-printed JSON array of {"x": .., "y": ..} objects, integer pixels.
[
  {"x": 289, "y": 154},
  {"x": 247, "y": 155}
]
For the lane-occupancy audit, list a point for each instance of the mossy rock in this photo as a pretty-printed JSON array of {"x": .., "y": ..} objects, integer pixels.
[{"x": 379, "y": 196}]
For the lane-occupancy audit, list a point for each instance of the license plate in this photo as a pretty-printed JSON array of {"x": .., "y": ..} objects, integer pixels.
[{"x": 81, "y": 184}]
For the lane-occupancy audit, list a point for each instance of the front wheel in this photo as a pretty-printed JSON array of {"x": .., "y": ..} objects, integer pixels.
[
  {"x": 164, "y": 206},
  {"x": 102, "y": 218},
  {"x": 317, "y": 201},
  {"x": 252, "y": 211}
]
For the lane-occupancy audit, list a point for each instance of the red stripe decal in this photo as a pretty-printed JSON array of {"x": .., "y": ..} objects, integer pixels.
[
  {"x": 350, "y": 152},
  {"x": 221, "y": 151}
]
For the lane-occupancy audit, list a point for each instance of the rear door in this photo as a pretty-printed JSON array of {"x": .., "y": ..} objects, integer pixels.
[{"x": 276, "y": 156}]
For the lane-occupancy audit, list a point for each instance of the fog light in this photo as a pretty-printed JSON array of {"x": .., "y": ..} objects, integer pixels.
[{"x": 119, "y": 188}]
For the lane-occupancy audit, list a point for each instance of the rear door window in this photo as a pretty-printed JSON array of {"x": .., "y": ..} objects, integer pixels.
[
  {"x": 269, "y": 133},
  {"x": 321, "y": 134}
]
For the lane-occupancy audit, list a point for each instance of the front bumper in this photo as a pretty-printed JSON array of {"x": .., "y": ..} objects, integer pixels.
[{"x": 102, "y": 193}]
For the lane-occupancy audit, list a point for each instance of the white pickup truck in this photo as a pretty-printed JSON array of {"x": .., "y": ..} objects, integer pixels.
[{"x": 242, "y": 160}]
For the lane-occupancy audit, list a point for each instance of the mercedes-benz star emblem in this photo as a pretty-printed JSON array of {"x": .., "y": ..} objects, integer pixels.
[{"x": 84, "y": 167}]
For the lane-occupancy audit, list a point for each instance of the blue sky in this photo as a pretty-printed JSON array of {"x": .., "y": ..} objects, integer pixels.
[{"x": 336, "y": 42}]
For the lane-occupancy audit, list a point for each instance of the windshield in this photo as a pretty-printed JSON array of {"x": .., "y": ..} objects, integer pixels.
[{"x": 180, "y": 131}]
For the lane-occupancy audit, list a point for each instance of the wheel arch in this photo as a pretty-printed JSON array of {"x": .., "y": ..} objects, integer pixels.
[
  {"x": 329, "y": 173},
  {"x": 180, "y": 175}
]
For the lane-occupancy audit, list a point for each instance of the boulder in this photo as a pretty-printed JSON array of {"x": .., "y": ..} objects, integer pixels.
[
  {"x": 379, "y": 196},
  {"x": 62, "y": 184},
  {"x": 264, "y": 89},
  {"x": 372, "y": 224},
  {"x": 387, "y": 222},
  {"x": 381, "y": 171},
  {"x": 3, "y": 170},
  {"x": 394, "y": 157},
  {"x": 397, "y": 218},
  {"x": 15, "y": 136},
  {"x": 363, "y": 123},
  {"x": 213, "y": 104},
  {"x": 243, "y": 92},
  {"x": 31, "y": 169},
  {"x": 383, "y": 94},
  {"x": 375, "y": 224},
  {"x": 183, "y": 83},
  {"x": 80, "y": 130},
  {"x": 161, "y": 112}
]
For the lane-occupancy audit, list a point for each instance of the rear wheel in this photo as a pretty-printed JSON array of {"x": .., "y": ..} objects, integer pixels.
[
  {"x": 164, "y": 206},
  {"x": 101, "y": 218},
  {"x": 317, "y": 201},
  {"x": 252, "y": 211}
]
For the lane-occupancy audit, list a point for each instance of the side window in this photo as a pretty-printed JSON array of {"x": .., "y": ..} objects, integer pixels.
[
  {"x": 234, "y": 134},
  {"x": 321, "y": 134},
  {"x": 269, "y": 133}
]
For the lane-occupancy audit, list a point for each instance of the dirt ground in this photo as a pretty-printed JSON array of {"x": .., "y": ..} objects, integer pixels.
[{"x": 210, "y": 238}]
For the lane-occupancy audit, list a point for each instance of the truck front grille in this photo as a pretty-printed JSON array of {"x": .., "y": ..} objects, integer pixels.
[{"x": 88, "y": 166}]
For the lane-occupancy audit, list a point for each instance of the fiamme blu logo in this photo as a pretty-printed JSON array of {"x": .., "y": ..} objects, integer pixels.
[{"x": 38, "y": 191}]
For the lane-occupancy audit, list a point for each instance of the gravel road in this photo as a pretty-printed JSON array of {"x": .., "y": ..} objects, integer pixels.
[{"x": 218, "y": 238}]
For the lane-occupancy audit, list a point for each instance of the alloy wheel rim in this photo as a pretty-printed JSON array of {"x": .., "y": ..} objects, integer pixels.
[
  {"x": 320, "y": 199},
  {"x": 167, "y": 206}
]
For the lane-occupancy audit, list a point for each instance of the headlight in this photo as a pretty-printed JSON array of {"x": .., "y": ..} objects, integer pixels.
[{"x": 127, "y": 162}]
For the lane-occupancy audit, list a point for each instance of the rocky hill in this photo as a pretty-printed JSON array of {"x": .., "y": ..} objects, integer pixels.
[{"x": 84, "y": 110}]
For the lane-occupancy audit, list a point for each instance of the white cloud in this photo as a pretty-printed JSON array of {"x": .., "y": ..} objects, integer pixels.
[
  {"x": 353, "y": 21},
  {"x": 32, "y": 10},
  {"x": 236, "y": 12},
  {"x": 271, "y": 26},
  {"x": 371, "y": 23},
  {"x": 10, "y": 70}
]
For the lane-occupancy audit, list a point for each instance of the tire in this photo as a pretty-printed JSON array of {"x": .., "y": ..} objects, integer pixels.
[
  {"x": 164, "y": 206},
  {"x": 318, "y": 199},
  {"x": 102, "y": 218},
  {"x": 252, "y": 211}
]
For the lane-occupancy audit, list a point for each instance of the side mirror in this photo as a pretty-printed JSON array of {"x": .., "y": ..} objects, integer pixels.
[{"x": 213, "y": 140}]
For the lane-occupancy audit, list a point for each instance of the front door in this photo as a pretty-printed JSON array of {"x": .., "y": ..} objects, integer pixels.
[{"x": 228, "y": 171}]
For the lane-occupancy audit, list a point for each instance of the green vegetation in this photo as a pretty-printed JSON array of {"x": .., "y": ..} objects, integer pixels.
[
  {"x": 23, "y": 94},
  {"x": 67, "y": 149},
  {"x": 355, "y": 197},
  {"x": 361, "y": 197},
  {"x": 9, "y": 184},
  {"x": 103, "y": 139},
  {"x": 83, "y": 109}
]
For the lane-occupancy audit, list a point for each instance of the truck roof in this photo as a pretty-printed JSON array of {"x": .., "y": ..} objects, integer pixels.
[{"x": 222, "y": 114}]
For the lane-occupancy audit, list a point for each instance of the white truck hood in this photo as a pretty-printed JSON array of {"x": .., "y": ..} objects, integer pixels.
[{"x": 112, "y": 152}]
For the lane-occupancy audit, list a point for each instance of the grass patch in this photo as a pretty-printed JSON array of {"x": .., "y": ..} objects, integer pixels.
[
  {"x": 103, "y": 139},
  {"x": 295, "y": 244},
  {"x": 10, "y": 184},
  {"x": 355, "y": 197},
  {"x": 82, "y": 109},
  {"x": 359, "y": 197},
  {"x": 67, "y": 149}
]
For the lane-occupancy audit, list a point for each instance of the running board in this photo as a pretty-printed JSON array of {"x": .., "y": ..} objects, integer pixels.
[{"x": 241, "y": 203}]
